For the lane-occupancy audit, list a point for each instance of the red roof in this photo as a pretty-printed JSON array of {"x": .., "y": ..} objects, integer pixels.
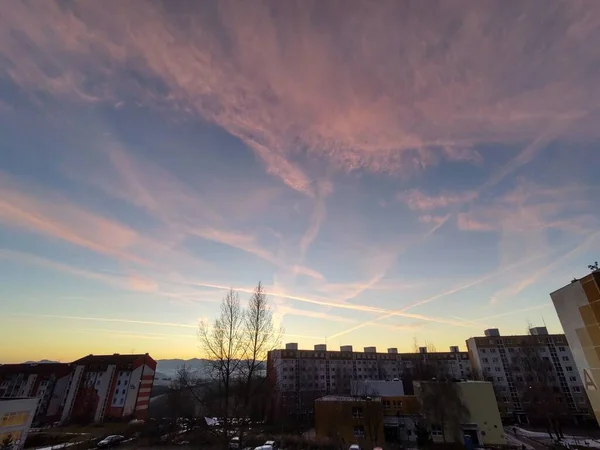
[{"x": 116, "y": 359}]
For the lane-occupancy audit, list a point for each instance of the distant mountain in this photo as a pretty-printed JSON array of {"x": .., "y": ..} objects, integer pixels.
[
  {"x": 167, "y": 368},
  {"x": 43, "y": 361}
]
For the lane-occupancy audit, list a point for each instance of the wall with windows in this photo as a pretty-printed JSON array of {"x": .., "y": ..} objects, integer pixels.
[
  {"x": 578, "y": 307},
  {"x": 350, "y": 420},
  {"x": 16, "y": 416}
]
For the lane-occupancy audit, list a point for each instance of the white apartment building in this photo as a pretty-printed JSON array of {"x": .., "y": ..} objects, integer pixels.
[
  {"x": 521, "y": 367},
  {"x": 301, "y": 376}
]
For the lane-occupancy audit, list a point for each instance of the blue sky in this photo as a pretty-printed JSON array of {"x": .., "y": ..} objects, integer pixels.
[{"x": 387, "y": 184}]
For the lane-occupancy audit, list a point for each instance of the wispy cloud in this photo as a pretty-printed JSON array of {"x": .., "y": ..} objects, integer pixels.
[
  {"x": 420, "y": 201},
  {"x": 57, "y": 217},
  {"x": 293, "y": 90}
]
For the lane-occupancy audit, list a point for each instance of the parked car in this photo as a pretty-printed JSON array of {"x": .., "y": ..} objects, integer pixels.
[
  {"x": 354, "y": 447},
  {"x": 111, "y": 441},
  {"x": 235, "y": 443},
  {"x": 272, "y": 444}
]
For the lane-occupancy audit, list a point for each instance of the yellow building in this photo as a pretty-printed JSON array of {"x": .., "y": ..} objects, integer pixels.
[
  {"x": 578, "y": 307},
  {"x": 16, "y": 415},
  {"x": 350, "y": 420},
  {"x": 466, "y": 408}
]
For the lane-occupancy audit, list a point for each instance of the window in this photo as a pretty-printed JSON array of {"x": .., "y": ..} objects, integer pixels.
[
  {"x": 569, "y": 369},
  {"x": 572, "y": 378},
  {"x": 561, "y": 349},
  {"x": 483, "y": 350},
  {"x": 119, "y": 382},
  {"x": 14, "y": 419},
  {"x": 484, "y": 360},
  {"x": 357, "y": 412},
  {"x": 493, "y": 350},
  {"x": 576, "y": 389},
  {"x": 359, "y": 431},
  {"x": 436, "y": 430},
  {"x": 499, "y": 378},
  {"x": 495, "y": 360},
  {"x": 497, "y": 369}
]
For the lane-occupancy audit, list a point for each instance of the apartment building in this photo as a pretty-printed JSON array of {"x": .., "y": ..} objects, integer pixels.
[
  {"x": 16, "y": 416},
  {"x": 109, "y": 386},
  {"x": 301, "y": 376},
  {"x": 578, "y": 307},
  {"x": 89, "y": 389},
  {"x": 533, "y": 375},
  {"x": 45, "y": 381}
]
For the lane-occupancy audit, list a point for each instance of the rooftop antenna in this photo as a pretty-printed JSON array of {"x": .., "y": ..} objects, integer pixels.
[{"x": 543, "y": 321}]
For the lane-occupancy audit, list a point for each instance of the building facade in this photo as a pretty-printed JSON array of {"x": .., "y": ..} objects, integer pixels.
[
  {"x": 91, "y": 389},
  {"x": 301, "y": 376},
  {"x": 109, "y": 386},
  {"x": 578, "y": 307},
  {"x": 534, "y": 376},
  {"x": 474, "y": 414},
  {"x": 16, "y": 416},
  {"x": 44, "y": 381},
  {"x": 350, "y": 420}
]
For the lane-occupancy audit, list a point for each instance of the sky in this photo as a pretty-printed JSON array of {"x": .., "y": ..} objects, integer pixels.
[{"x": 393, "y": 172}]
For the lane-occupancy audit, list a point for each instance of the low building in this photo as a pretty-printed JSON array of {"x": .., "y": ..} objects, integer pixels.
[
  {"x": 350, "y": 420},
  {"x": 16, "y": 415},
  {"x": 453, "y": 410}
]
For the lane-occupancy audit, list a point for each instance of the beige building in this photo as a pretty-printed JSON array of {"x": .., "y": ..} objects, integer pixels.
[
  {"x": 578, "y": 307},
  {"x": 16, "y": 415},
  {"x": 476, "y": 413}
]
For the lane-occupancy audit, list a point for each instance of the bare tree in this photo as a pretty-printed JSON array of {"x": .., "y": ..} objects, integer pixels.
[
  {"x": 260, "y": 336},
  {"x": 594, "y": 267},
  {"x": 224, "y": 345},
  {"x": 538, "y": 386},
  {"x": 372, "y": 411},
  {"x": 442, "y": 406}
]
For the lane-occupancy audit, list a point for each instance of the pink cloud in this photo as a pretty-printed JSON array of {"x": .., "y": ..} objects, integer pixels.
[
  {"x": 295, "y": 90},
  {"x": 52, "y": 215},
  {"x": 419, "y": 201}
]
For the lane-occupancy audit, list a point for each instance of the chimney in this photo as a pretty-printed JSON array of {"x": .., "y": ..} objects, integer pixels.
[
  {"x": 422, "y": 350},
  {"x": 321, "y": 348},
  {"x": 492, "y": 332},
  {"x": 346, "y": 348},
  {"x": 291, "y": 346},
  {"x": 454, "y": 349},
  {"x": 536, "y": 331},
  {"x": 392, "y": 350},
  {"x": 370, "y": 349}
]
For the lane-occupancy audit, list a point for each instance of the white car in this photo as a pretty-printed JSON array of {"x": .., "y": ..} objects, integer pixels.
[
  {"x": 110, "y": 441},
  {"x": 354, "y": 447}
]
